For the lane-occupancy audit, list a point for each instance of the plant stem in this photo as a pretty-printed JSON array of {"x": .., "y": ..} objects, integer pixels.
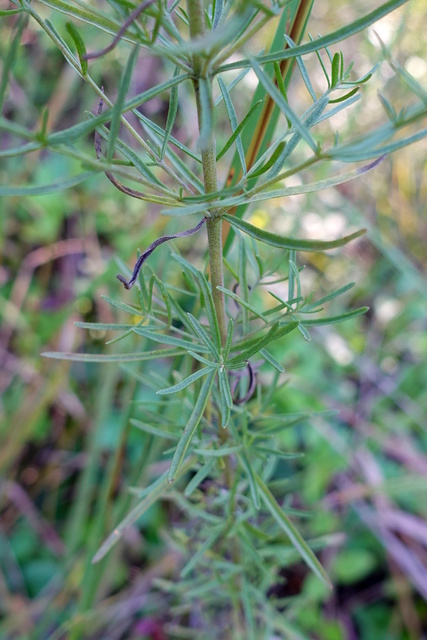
[{"x": 196, "y": 18}]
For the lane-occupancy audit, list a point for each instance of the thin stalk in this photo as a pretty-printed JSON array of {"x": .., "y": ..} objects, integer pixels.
[{"x": 196, "y": 16}]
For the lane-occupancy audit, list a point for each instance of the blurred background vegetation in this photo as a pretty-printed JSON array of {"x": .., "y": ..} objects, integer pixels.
[{"x": 363, "y": 481}]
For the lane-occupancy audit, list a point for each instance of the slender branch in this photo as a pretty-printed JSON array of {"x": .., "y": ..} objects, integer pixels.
[
  {"x": 73, "y": 63},
  {"x": 133, "y": 16}
]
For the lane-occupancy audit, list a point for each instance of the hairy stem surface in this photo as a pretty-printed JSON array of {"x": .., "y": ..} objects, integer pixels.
[{"x": 214, "y": 225}]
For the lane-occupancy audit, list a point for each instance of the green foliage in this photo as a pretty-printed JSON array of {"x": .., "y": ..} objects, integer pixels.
[{"x": 212, "y": 418}]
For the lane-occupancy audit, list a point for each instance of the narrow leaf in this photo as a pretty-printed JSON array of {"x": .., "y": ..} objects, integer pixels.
[
  {"x": 120, "y": 102},
  {"x": 218, "y": 7},
  {"x": 273, "y": 334},
  {"x": 200, "y": 358},
  {"x": 172, "y": 111},
  {"x": 199, "y": 329},
  {"x": 159, "y": 487},
  {"x": 236, "y": 132},
  {"x": 345, "y": 97},
  {"x": 66, "y": 136},
  {"x": 9, "y": 58},
  {"x": 315, "y": 45},
  {"x": 280, "y": 83},
  {"x": 289, "y": 243},
  {"x": 229, "y": 338},
  {"x": 291, "y": 531},
  {"x": 242, "y": 302},
  {"x": 42, "y": 190},
  {"x": 335, "y": 319},
  {"x": 311, "y": 119},
  {"x": 267, "y": 355},
  {"x": 207, "y": 544},
  {"x": 233, "y": 122},
  {"x": 186, "y": 382},
  {"x": 201, "y": 475},
  {"x": 153, "y": 430},
  {"x": 80, "y": 46},
  {"x": 223, "y": 406},
  {"x": 253, "y": 487},
  {"x": 114, "y": 357},
  {"x": 155, "y": 128},
  {"x": 218, "y": 453},
  {"x": 10, "y": 12},
  {"x": 210, "y": 309},
  {"x": 305, "y": 334},
  {"x": 276, "y": 452},
  {"x": 335, "y": 67},
  {"x": 321, "y": 301},
  {"x": 165, "y": 338},
  {"x": 302, "y": 68},
  {"x": 118, "y": 304},
  {"x": 191, "y": 427},
  {"x": 270, "y": 162},
  {"x": 275, "y": 94},
  {"x": 206, "y": 108}
]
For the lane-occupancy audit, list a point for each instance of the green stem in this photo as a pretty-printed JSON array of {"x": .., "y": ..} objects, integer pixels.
[{"x": 196, "y": 16}]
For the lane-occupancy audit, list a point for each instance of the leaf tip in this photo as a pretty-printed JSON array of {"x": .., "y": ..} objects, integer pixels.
[{"x": 371, "y": 165}]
